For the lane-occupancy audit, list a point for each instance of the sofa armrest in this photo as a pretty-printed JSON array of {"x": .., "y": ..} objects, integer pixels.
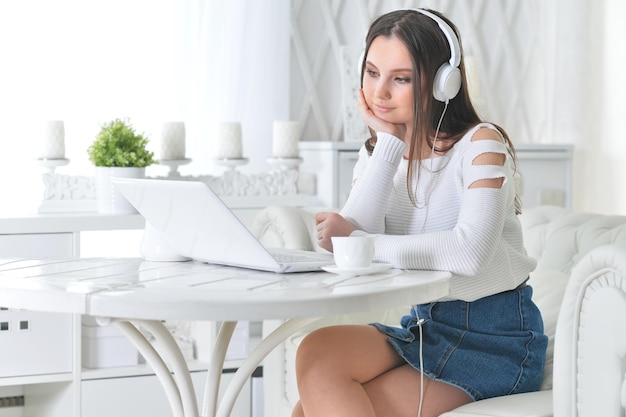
[
  {"x": 529, "y": 404},
  {"x": 590, "y": 342}
]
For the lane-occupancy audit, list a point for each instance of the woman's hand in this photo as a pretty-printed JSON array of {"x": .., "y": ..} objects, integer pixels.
[
  {"x": 376, "y": 123},
  {"x": 328, "y": 224}
]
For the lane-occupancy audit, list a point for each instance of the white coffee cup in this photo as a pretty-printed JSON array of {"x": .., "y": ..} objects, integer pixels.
[{"x": 353, "y": 251}]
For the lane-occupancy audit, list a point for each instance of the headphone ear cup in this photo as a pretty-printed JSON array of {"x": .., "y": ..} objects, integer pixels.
[{"x": 447, "y": 82}]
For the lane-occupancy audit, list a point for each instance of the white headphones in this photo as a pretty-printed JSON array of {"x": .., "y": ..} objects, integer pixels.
[{"x": 447, "y": 81}]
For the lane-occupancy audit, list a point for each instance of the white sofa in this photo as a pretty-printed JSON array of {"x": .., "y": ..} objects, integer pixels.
[{"x": 579, "y": 285}]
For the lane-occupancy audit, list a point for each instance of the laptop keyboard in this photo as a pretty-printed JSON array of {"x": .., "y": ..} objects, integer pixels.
[{"x": 300, "y": 256}]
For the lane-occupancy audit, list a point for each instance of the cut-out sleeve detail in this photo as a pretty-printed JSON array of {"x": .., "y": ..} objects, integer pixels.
[
  {"x": 473, "y": 232},
  {"x": 473, "y": 172}
]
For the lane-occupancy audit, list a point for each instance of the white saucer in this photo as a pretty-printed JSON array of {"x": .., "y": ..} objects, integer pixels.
[{"x": 372, "y": 269}]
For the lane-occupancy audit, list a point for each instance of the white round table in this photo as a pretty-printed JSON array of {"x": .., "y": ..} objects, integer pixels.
[{"x": 132, "y": 292}]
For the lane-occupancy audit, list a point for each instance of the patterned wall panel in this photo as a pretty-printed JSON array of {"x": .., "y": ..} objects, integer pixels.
[{"x": 507, "y": 45}]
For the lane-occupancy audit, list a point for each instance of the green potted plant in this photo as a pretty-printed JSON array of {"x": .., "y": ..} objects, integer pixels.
[{"x": 118, "y": 151}]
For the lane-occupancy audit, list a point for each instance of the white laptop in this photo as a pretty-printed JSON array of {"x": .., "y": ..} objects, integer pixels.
[{"x": 197, "y": 224}]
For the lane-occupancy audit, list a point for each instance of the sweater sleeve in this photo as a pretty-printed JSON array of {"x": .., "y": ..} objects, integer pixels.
[
  {"x": 367, "y": 203},
  {"x": 467, "y": 247},
  {"x": 464, "y": 250}
]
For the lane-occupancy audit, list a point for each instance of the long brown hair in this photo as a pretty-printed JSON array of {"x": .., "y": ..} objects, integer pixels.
[{"x": 429, "y": 49}]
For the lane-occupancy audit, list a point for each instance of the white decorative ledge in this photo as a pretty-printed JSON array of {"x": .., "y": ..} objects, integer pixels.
[{"x": 64, "y": 193}]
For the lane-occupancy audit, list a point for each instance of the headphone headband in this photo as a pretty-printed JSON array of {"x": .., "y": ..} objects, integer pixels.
[
  {"x": 447, "y": 82},
  {"x": 455, "y": 49}
]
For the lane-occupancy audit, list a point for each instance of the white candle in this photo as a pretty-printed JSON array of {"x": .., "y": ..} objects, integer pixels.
[
  {"x": 54, "y": 141},
  {"x": 227, "y": 141},
  {"x": 172, "y": 141},
  {"x": 285, "y": 141}
]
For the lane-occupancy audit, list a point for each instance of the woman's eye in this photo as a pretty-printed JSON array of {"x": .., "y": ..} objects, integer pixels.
[
  {"x": 403, "y": 80},
  {"x": 371, "y": 72}
]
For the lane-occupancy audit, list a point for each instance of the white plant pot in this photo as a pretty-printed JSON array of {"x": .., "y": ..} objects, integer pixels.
[{"x": 109, "y": 199}]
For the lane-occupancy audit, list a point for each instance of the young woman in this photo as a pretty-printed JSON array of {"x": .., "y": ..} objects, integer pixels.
[{"x": 435, "y": 185}]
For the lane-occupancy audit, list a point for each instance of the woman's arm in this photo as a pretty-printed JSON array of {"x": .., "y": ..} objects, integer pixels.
[
  {"x": 479, "y": 224},
  {"x": 486, "y": 199},
  {"x": 367, "y": 203}
]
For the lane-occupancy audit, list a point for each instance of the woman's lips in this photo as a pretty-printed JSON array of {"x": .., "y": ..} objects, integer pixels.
[{"x": 382, "y": 109}]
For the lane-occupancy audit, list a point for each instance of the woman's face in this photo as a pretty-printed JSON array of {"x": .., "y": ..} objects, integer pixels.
[{"x": 388, "y": 83}]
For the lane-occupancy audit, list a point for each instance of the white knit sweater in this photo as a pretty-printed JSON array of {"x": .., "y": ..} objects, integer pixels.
[{"x": 472, "y": 232}]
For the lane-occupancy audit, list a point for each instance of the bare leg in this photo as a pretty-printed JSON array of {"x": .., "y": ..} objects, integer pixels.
[
  {"x": 297, "y": 410},
  {"x": 353, "y": 371},
  {"x": 397, "y": 393},
  {"x": 333, "y": 362}
]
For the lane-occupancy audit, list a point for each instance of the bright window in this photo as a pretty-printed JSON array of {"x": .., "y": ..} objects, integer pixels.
[{"x": 152, "y": 61}]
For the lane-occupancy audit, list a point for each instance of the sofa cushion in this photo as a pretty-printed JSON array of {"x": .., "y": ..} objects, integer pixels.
[
  {"x": 548, "y": 288},
  {"x": 529, "y": 404},
  {"x": 559, "y": 238}
]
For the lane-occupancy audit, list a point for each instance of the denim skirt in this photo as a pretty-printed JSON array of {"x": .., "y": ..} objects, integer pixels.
[{"x": 489, "y": 347}]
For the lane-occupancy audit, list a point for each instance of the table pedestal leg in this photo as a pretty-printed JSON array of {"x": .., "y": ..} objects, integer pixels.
[
  {"x": 216, "y": 365},
  {"x": 178, "y": 389},
  {"x": 247, "y": 367}
]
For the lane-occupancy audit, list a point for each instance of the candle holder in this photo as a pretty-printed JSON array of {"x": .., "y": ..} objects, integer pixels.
[
  {"x": 231, "y": 163},
  {"x": 50, "y": 164},
  {"x": 285, "y": 163},
  {"x": 173, "y": 165}
]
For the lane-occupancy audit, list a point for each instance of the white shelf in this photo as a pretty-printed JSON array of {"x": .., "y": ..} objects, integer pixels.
[
  {"x": 20, "y": 223},
  {"x": 116, "y": 372},
  {"x": 36, "y": 379},
  {"x": 143, "y": 369}
]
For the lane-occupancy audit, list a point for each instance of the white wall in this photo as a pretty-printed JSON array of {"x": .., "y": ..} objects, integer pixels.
[
  {"x": 151, "y": 61},
  {"x": 601, "y": 153},
  {"x": 549, "y": 71}
]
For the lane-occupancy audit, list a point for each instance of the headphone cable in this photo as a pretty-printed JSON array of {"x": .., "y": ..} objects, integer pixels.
[{"x": 421, "y": 359}]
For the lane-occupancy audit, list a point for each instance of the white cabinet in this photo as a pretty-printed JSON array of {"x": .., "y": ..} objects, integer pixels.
[
  {"x": 332, "y": 164},
  {"x": 142, "y": 395},
  {"x": 46, "y": 245},
  {"x": 23, "y": 334},
  {"x": 546, "y": 174},
  {"x": 545, "y": 170},
  {"x": 41, "y": 352}
]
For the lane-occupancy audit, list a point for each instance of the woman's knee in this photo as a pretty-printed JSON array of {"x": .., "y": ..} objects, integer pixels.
[
  {"x": 316, "y": 345},
  {"x": 297, "y": 410},
  {"x": 344, "y": 348}
]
